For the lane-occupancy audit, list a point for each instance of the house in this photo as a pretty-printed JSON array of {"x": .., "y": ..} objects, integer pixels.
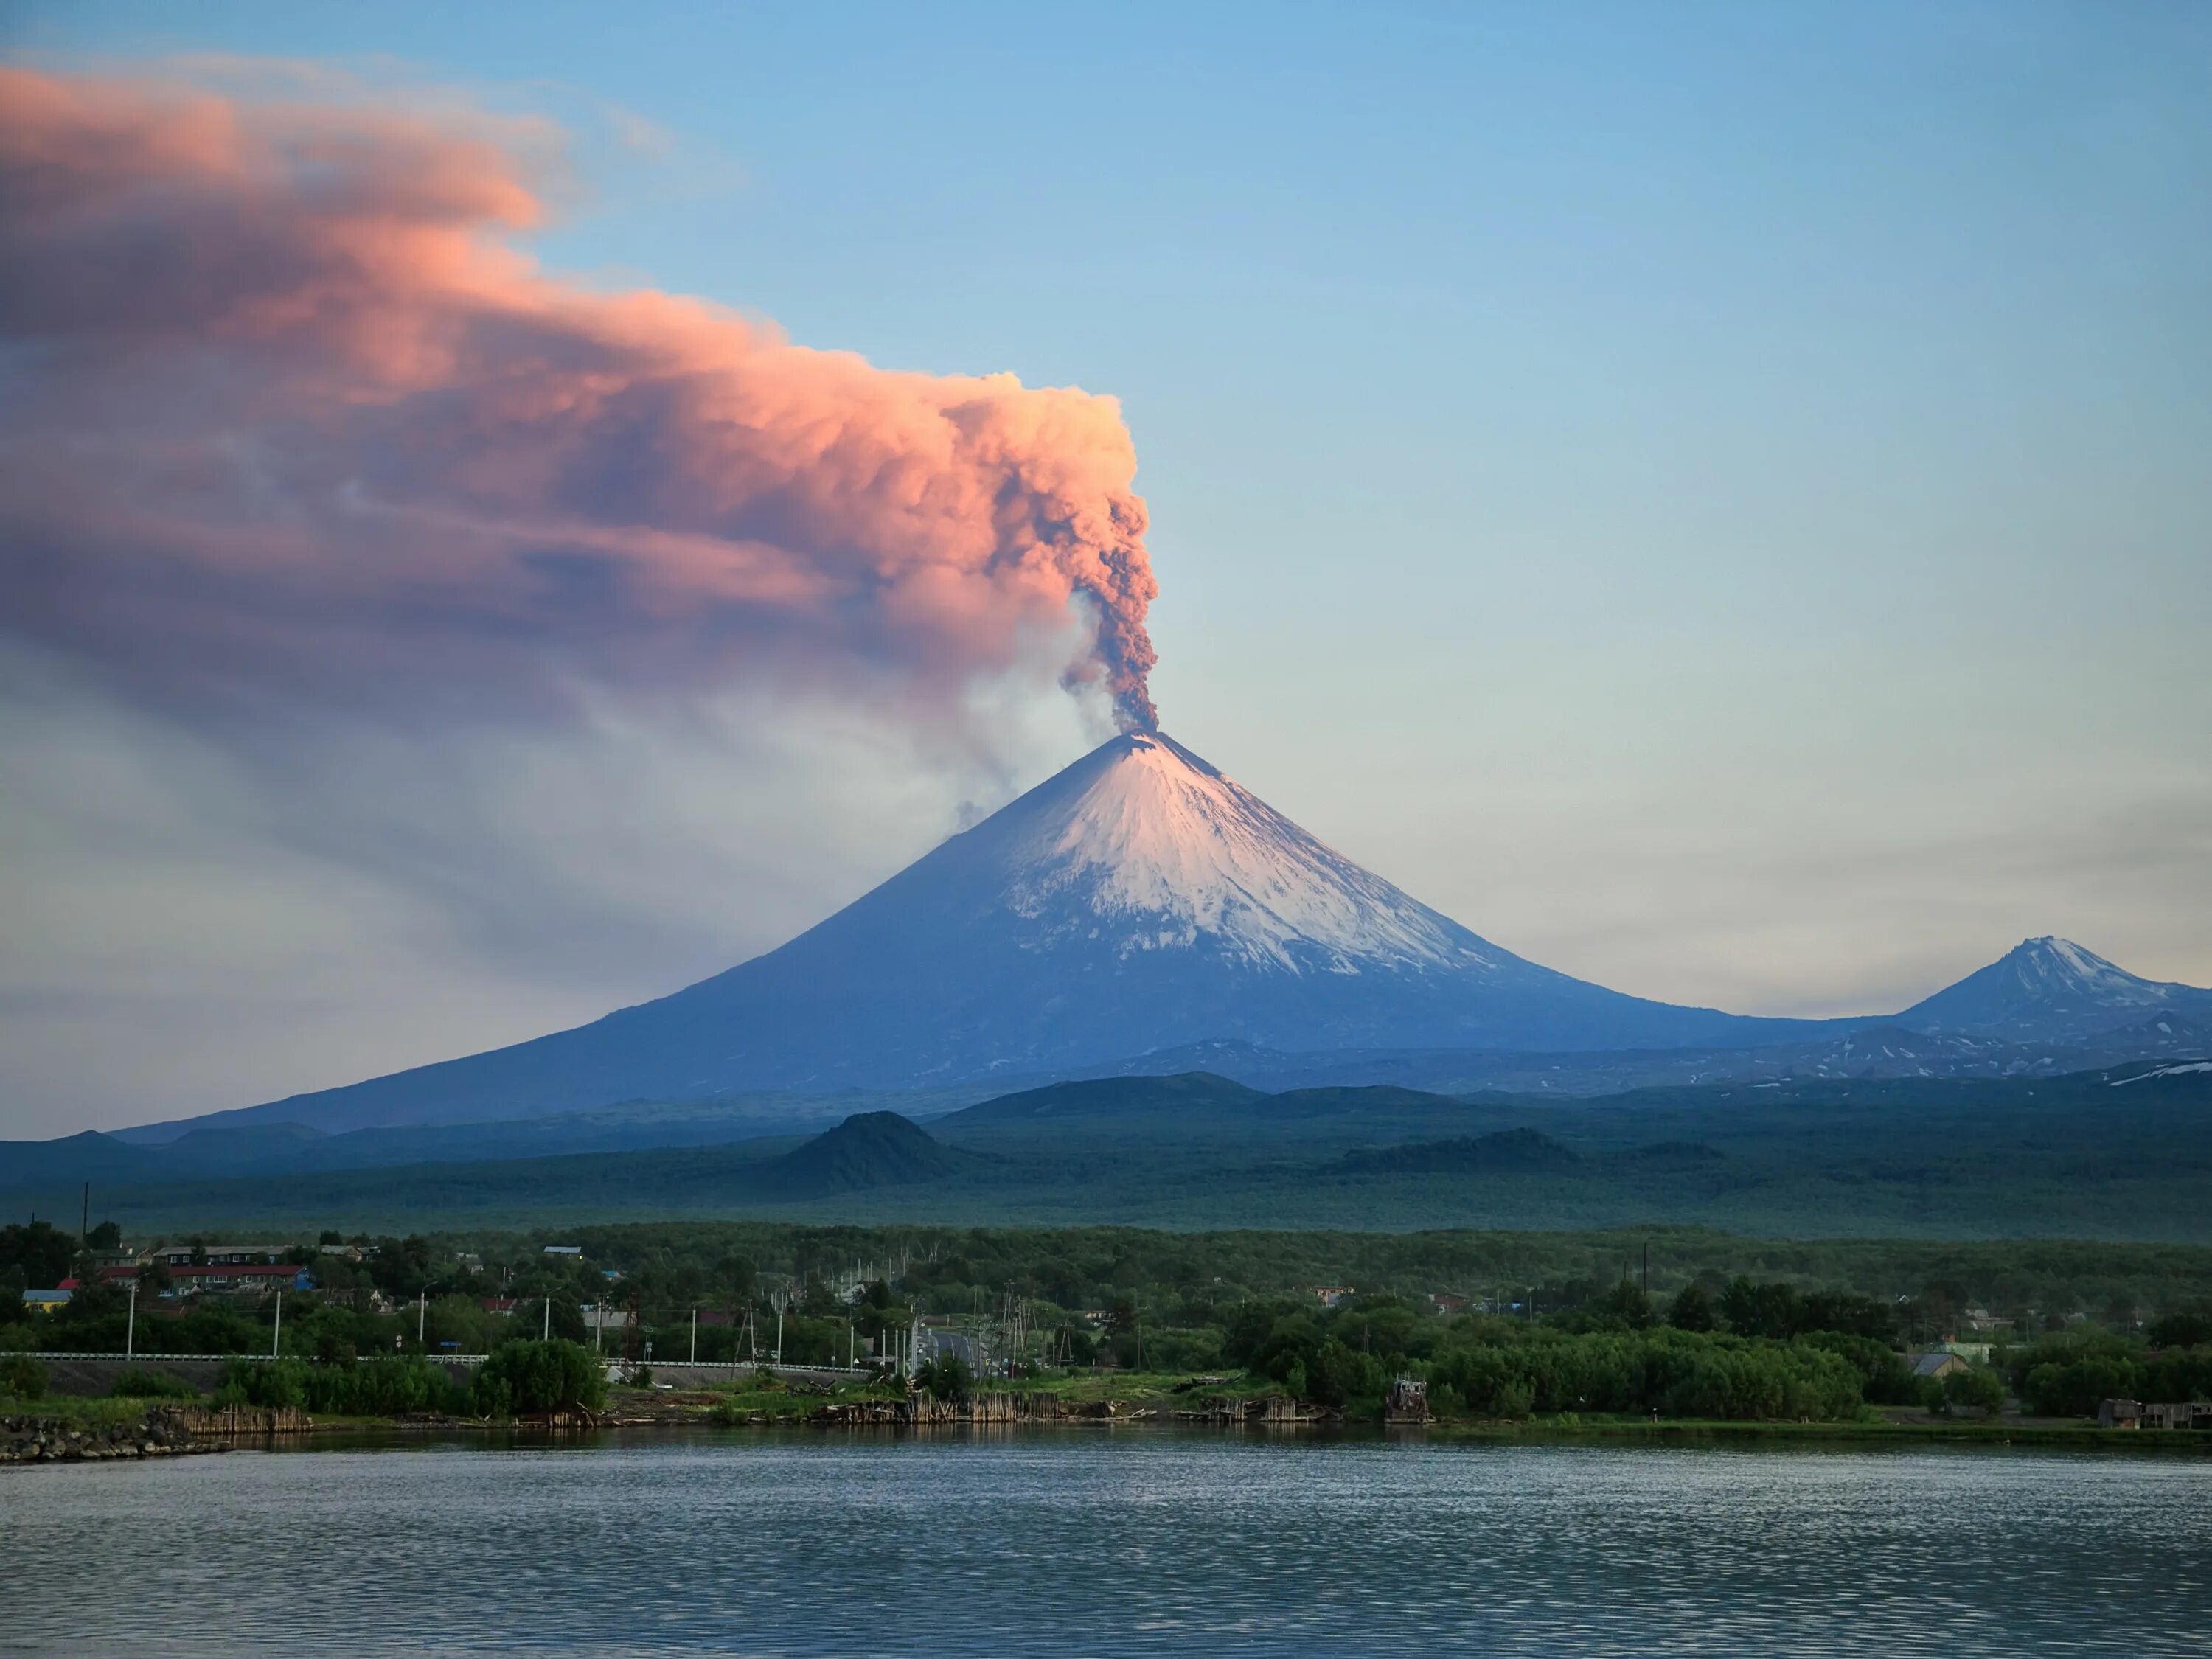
[
  {"x": 564, "y": 1249},
  {"x": 1448, "y": 1302},
  {"x": 1976, "y": 1353},
  {"x": 1938, "y": 1363},
  {"x": 1330, "y": 1295},
  {"x": 219, "y": 1256},
  {"x": 2180, "y": 1414},
  {"x": 44, "y": 1301},
  {"x": 501, "y": 1305},
  {"x": 2135, "y": 1415},
  {"x": 249, "y": 1277}
]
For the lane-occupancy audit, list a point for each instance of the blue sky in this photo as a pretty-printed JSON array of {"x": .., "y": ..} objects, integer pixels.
[{"x": 1711, "y": 497}]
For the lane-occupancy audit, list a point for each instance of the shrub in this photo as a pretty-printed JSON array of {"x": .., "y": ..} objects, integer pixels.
[
  {"x": 22, "y": 1376},
  {"x": 538, "y": 1376},
  {"x": 946, "y": 1377},
  {"x": 370, "y": 1388}
]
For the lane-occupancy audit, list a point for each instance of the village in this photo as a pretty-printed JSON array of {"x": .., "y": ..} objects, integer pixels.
[{"x": 715, "y": 1330}]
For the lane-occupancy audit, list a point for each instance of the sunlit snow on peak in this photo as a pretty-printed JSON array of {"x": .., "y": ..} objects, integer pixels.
[{"x": 1161, "y": 851}]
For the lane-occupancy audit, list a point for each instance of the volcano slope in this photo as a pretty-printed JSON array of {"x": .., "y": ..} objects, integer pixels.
[{"x": 1138, "y": 899}]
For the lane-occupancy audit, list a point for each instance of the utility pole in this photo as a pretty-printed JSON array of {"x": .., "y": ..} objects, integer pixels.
[
  {"x": 695, "y": 1336},
  {"x": 547, "y": 1336},
  {"x": 422, "y": 1314},
  {"x": 276, "y": 1335},
  {"x": 130, "y": 1323},
  {"x": 779, "y": 1327}
]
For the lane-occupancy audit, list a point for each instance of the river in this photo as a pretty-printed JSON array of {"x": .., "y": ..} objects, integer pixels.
[{"x": 1069, "y": 1543}]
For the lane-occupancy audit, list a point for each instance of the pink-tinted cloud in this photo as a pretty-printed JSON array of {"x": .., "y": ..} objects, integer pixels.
[{"x": 283, "y": 407}]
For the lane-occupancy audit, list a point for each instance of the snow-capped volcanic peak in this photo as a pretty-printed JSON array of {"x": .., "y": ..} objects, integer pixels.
[
  {"x": 2051, "y": 989},
  {"x": 2050, "y": 967},
  {"x": 1159, "y": 850}
]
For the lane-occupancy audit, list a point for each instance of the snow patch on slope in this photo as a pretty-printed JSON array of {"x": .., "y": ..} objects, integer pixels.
[
  {"x": 2164, "y": 1071},
  {"x": 1163, "y": 852},
  {"x": 2054, "y": 966}
]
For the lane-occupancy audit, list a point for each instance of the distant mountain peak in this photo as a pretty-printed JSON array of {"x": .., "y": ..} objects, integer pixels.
[
  {"x": 868, "y": 1149},
  {"x": 2055, "y": 962},
  {"x": 2049, "y": 988}
]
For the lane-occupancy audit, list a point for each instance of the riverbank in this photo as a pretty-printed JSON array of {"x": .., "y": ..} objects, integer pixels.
[
  {"x": 80, "y": 1437},
  {"x": 81, "y": 1429}
]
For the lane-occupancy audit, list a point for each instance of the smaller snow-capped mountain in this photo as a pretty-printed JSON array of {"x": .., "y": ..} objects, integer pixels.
[{"x": 2053, "y": 990}]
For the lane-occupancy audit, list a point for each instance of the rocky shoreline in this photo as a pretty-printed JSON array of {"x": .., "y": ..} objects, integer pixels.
[{"x": 162, "y": 1432}]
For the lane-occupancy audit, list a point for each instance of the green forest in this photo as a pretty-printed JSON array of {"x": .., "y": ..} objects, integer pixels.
[{"x": 1679, "y": 1322}]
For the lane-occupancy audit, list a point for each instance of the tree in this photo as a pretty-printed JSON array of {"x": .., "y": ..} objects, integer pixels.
[
  {"x": 1755, "y": 1309},
  {"x": 2185, "y": 1328},
  {"x": 946, "y": 1377},
  {"x": 1693, "y": 1310},
  {"x": 1977, "y": 1389},
  {"x": 105, "y": 1237},
  {"x": 538, "y": 1376},
  {"x": 40, "y": 1249}
]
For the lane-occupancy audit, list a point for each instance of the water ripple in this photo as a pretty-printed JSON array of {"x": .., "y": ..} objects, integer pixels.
[{"x": 1110, "y": 1543}]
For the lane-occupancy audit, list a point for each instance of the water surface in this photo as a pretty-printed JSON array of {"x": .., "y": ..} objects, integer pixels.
[{"x": 1109, "y": 1542}]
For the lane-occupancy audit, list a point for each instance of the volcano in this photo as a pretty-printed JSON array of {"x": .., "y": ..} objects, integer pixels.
[
  {"x": 2053, "y": 990},
  {"x": 1136, "y": 900}
]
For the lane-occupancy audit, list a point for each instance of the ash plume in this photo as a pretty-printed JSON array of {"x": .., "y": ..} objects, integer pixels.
[{"x": 287, "y": 416}]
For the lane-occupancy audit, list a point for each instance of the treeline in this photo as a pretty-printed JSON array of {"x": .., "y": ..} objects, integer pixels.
[
  {"x": 1792, "y": 1357},
  {"x": 1188, "y": 1277},
  {"x": 2068, "y": 1374},
  {"x": 519, "y": 1377}
]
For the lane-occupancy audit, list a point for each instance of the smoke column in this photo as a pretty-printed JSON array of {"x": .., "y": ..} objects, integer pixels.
[{"x": 287, "y": 416}]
